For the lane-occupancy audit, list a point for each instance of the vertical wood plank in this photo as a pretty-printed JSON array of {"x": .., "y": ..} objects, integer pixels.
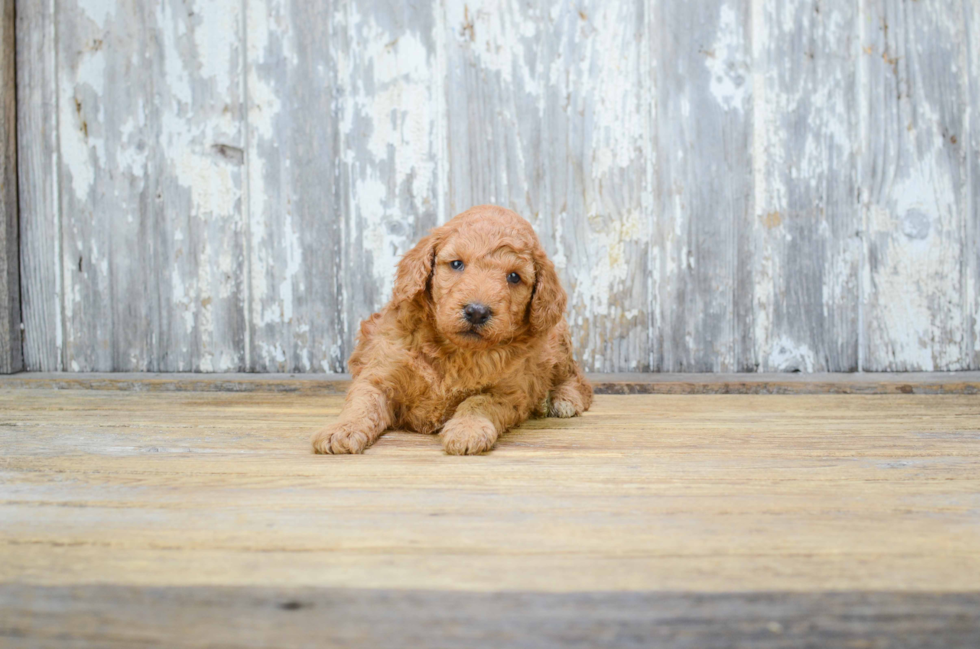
[
  {"x": 914, "y": 186},
  {"x": 550, "y": 114},
  {"x": 971, "y": 145},
  {"x": 37, "y": 156},
  {"x": 392, "y": 143},
  {"x": 295, "y": 184},
  {"x": 152, "y": 147},
  {"x": 704, "y": 160},
  {"x": 346, "y": 102},
  {"x": 85, "y": 45},
  {"x": 495, "y": 53},
  {"x": 799, "y": 249},
  {"x": 11, "y": 346}
]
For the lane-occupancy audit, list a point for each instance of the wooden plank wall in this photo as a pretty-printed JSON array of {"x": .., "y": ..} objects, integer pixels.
[
  {"x": 11, "y": 346},
  {"x": 725, "y": 186}
]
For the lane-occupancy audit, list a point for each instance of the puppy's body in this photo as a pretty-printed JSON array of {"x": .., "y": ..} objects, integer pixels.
[
  {"x": 431, "y": 381},
  {"x": 473, "y": 342}
]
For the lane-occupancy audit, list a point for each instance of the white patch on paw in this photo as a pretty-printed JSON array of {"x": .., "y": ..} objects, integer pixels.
[{"x": 563, "y": 409}]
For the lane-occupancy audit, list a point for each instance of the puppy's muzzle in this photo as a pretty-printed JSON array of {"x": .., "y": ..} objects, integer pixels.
[{"x": 477, "y": 314}]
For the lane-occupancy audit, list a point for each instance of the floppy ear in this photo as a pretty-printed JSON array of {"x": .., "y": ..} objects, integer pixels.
[
  {"x": 414, "y": 270},
  {"x": 549, "y": 299}
]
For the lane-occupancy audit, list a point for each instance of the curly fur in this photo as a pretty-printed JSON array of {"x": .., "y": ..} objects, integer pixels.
[{"x": 419, "y": 365}]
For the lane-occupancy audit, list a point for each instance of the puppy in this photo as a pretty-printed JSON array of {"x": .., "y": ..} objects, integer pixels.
[{"x": 473, "y": 342}]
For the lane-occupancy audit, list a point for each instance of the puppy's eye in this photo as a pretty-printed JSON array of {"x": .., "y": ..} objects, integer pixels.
[
  {"x": 456, "y": 264},
  {"x": 514, "y": 278}
]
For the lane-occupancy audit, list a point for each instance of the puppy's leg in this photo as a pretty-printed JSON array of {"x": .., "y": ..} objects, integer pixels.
[
  {"x": 477, "y": 424},
  {"x": 571, "y": 397},
  {"x": 365, "y": 416}
]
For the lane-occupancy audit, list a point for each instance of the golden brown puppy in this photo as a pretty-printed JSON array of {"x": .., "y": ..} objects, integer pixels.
[{"x": 473, "y": 342}]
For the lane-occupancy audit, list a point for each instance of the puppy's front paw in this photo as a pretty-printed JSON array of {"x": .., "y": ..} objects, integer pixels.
[
  {"x": 468, "y": 435},
  {"x": 339, "y": 439},
  {"x": 562, "y": 408}
]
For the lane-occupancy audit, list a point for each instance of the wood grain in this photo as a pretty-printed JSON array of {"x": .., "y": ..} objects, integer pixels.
[
  {"x": 296, "y": 187},
  {"x": 799, "y": 248},
  {"x": 37, "y": 171},
  {"x": 915, "y": 187},
  {"x": 150, "y": 127},
  {"x": 644, "y": 493},
  {"x": 392, "y": 143},
  {"x": 971, "y": 146},
  {"x": 725, "y": 186},
  {"x": 11, "y": 345},
  {"x": 115, "y": 616},
  {"x": 704, "y": 159},
  {"x": 550, "y": 113},
  {"x": 201, "y": 519}
]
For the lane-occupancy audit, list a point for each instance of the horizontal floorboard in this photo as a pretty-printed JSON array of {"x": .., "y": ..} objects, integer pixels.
[
  {"x": 112, "y": 616},
  {"x": 200, "y": 518}
]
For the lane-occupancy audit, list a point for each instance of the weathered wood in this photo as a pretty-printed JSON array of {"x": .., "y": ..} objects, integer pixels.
[
  {"x": 345, "y": 168},
  {"x": 180, "y": 382},
  {"x": 725, "y": 186},
  {"x": 296, "y": 180},
  {"x": 550, "y": 114},
  {"x": 111, "y": 616},
  {"x": 971, "y": 146},
  {"x": 915, "y": 190},
  {"x": 151, "y": 137},
  {"x": 11, "y": 344},
  {"x": 799, "y": 248},
  {"x": 37, "y": 170},
  {"x": 393, "y": 144},
  {"x": 696, "y": 494},
  {"x": 754, "y": 383},
  {"x": 704, "y": 159},
  {"x": 783, "y": 383},
  {"x": 131, "y": 517}
]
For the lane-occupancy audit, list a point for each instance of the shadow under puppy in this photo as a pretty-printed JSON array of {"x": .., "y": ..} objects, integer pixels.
[{"x": 473, "y": 342}]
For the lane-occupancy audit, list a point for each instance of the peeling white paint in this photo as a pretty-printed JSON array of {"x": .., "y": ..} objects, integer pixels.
[
  {"x": 82, "y": 149},
  {"x": 217, "y": 37},
  {"x": 786, "y": 355},
  {"x": 191, "y": 139},
  {"x": 384, "y": 248},
  {"x": 618, "y": 114},
  {"x": 294, "y": 260},
  {"x": 138, "y": 163},
  {"x": 98, "y": 11},
  {"x": 804, "y": 146},
  {"x": 914, "y": 284},
  {"x": 490, "y": 29},
  {"x": 726, "y": 62},
  {"x": 572, "y": 88},
  {"x": 391, "y": 97},
  {"x": 911, "y": 306},
  {"x": 597, "y": 283}
]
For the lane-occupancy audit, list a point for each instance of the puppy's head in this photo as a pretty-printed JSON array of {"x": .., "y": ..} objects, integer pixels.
[{"x": 485, "y": 279}]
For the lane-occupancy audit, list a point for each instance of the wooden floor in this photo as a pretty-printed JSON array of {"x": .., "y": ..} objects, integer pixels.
[{"x": 202, "y": 519}]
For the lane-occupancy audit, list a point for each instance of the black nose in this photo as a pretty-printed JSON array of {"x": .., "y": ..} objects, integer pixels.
[{"x": 477, "y": 313}]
